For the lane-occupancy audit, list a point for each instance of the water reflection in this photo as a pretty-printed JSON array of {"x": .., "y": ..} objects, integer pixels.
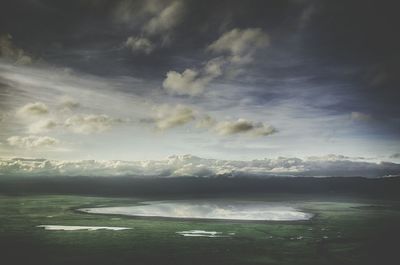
[{"x": 209, "y": 209}]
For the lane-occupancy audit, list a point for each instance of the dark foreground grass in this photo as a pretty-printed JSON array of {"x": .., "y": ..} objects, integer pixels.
[{"x": 342, "y": 232}]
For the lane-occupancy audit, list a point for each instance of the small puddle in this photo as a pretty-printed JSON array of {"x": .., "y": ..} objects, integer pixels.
[{"x": 202, "y": 233}]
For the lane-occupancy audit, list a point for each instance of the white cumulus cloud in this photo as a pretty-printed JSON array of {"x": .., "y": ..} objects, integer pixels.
[
  {"x": 157, "y": 19},
  {"x": 240, "y": 44},
  {"x": 87, "y": 124},
  {"x": 33, "y": 109},
  {"x": 32, "y": 141},
  {"x": 244, "y": 126},
  {"x": 238, "y": 47},
  {"x": 186, "y": 83},
  {"x": 192, "y": 82},
  {"x": 167, "y": 117},
  {"x": 42, "y": 126},
  {"x": 140, "y": 44},
  {"x": 166, "y": 20},
  {"x": 68, "y": 103}
]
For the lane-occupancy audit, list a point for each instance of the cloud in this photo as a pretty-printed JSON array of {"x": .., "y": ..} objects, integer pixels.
[
  {"x": 140, "y": 44},
  {"x": 42, "y": 126},
  {"x": 32, "y": 141},
  {"x": 192, "y": 82},
  {"x": 214, "y": 67},
  {"x": 206, "y": 121},
  {"x": 187, "y": 83},
  {"x": 169, "y": 117},
  {"x": 166, "y": 20},
  {"x": 125, "y": 13},
  {"x": 78, "y": 123},
  {"x": 244, "y": 126},
  {"x": 306, "y": 16},
  {"x": 240, "y": 44},
  {"x": 88, "y": 124},
  {"x": 33, "y": 109},
  {"x": 163, "y": 19},
  {"x": 188, "y": 165},
  {"x": 333, "y": 157},
  {"x": 396, "y": 155},
  {"x": 68, "y": 103},
  {"x": 9, "y": 51},
  {"x": 132, "y": 13},
  {"x": 359, "y": 116}
]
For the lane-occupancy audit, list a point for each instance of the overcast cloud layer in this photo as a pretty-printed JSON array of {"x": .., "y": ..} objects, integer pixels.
[{"x": 134, "y": 80}]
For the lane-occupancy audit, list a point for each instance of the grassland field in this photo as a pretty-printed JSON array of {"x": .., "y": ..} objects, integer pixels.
[{"x": 342, "y": 231}]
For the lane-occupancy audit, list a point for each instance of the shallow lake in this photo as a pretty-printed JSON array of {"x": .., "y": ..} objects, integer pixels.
[{"x": 209, "y": 209}]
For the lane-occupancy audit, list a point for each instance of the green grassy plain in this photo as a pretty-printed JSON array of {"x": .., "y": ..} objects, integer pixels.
[{"x": 343, "y": 231}]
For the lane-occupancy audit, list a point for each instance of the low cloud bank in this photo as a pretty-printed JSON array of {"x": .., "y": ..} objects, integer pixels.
[{"x": 188, "y": 165}]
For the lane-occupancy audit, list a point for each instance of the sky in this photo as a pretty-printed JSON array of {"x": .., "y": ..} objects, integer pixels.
[{"x": 226, "y": 80}]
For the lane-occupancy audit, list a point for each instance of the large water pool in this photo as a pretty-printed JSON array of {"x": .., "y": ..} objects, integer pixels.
[{"x": 209, "y": 209}]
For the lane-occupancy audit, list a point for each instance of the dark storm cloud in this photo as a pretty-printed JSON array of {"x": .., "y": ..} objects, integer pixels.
[
  {"x": 364, "y": 35},
  {"x": 364, "y": 29},
  {"x": 95, "y": 31}
]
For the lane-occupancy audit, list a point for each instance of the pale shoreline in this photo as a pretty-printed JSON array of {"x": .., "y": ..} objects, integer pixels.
[{"x": 77, "y": 228}]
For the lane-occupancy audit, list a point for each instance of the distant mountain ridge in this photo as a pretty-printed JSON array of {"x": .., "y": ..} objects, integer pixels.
[{"x": 385, "y": 188}]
